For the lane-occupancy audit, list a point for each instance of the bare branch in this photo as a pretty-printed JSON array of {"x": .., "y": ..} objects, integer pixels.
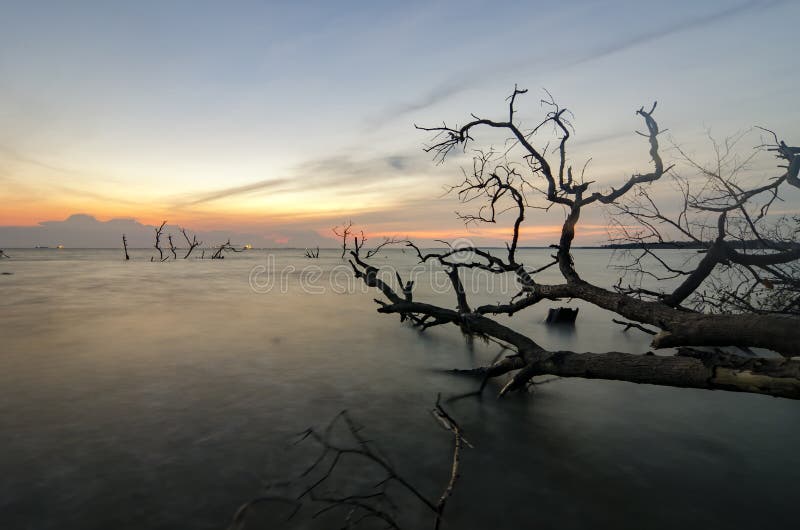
[
  {"x": 219, "y": 253},
  {"x": 727, "y": 220},
  {"x": 344, "y": 233},
  {"x": 193, "y": 242},
  {"x": 374, "y": 503},
  {"x": 157, "y": 244},
  {"x": 172, "y": 247}
]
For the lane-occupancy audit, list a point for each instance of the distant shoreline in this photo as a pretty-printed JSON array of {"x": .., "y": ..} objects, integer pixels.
[{"x": 670, "y": 245}]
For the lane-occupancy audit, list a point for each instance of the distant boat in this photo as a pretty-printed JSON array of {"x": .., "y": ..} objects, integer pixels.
[
  {"x": 247, "y": 247},
  {"x": 41, "y": 246},
  {"x": 60, "y": 246}
]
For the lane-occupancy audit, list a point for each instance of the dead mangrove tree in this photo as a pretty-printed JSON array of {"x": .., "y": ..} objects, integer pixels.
[{"x": 742, "y": 291}]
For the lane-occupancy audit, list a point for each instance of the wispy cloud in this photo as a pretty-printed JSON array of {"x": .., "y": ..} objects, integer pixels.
[
  {"x": 326, "y": 174},
  {"x": 234, "y": 191},
  {"x": 672, "y": 29},
  {"x": 13, "y": 154},
  {"x": 469, "y": 80},
  {"x": 88, "y": 194}
]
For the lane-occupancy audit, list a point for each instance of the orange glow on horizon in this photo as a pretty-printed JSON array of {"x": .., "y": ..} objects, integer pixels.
[
  {"x": 529, "y": 233},
  {"x": 21, "y": 214}
]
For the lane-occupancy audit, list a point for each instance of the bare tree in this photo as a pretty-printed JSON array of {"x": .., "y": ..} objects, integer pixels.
[
  {"x": 344, "y": 233},
  {"x": 3, "y": 254},
  {"x": 193, "y": 242},
  {"x": 750, "y": 257},
  {"x": 172, "y": 247},
  {"x": 503, "y": 184},
  {"x": 125, "y": 247},
  {"x": 225, "y": 247},
  {"x": 312, "y": 254},
  {"x": 157, "y": 244},
  {"x": 387, "y": 241}
]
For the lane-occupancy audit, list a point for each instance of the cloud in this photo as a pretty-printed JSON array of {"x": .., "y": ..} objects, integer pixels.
[
  {"x": 16, "y": 155},
  {"x": 678, "y": 27},
  {"x": 85, "y": 231},
  {"x": 327, "y": 173},
  {"x": 468, "y": 80},
  {"x": 94, "y": 195},
  {"x": 349, "y": 172},
  {"x": 454, "y": 85},
  {"x": 237, "y": 190}
]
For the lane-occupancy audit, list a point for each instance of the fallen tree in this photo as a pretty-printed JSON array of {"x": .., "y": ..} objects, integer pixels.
[
  {"x": 734, "y": 295},
  {"x": 219, "y": 253}
]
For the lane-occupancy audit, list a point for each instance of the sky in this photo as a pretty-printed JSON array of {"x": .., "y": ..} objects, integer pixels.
[{"x": 275, "y": 121}]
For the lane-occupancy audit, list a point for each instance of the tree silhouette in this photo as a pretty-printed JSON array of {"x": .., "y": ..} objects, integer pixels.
[{"x": 743, "y": 291}]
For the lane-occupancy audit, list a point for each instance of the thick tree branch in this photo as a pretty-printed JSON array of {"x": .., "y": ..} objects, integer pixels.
[{"x": 501, "y": 187}]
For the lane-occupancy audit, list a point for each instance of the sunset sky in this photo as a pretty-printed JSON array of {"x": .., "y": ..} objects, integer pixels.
[{"x": 282, "y": 119}]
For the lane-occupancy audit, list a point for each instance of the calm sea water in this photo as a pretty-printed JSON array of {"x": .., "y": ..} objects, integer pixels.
[{"x": 161, "y": 395}]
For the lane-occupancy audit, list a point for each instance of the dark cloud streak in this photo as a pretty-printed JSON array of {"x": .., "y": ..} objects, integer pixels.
[
  {"x": 330, "y": 173},
  {"x": 261, "y": 185}
]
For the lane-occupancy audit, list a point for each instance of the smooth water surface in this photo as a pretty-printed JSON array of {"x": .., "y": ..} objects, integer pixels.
[{"x": 141, "y": 395}]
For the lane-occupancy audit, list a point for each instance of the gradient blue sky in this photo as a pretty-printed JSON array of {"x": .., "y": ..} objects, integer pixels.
[{"x": 285, "y": 118}]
